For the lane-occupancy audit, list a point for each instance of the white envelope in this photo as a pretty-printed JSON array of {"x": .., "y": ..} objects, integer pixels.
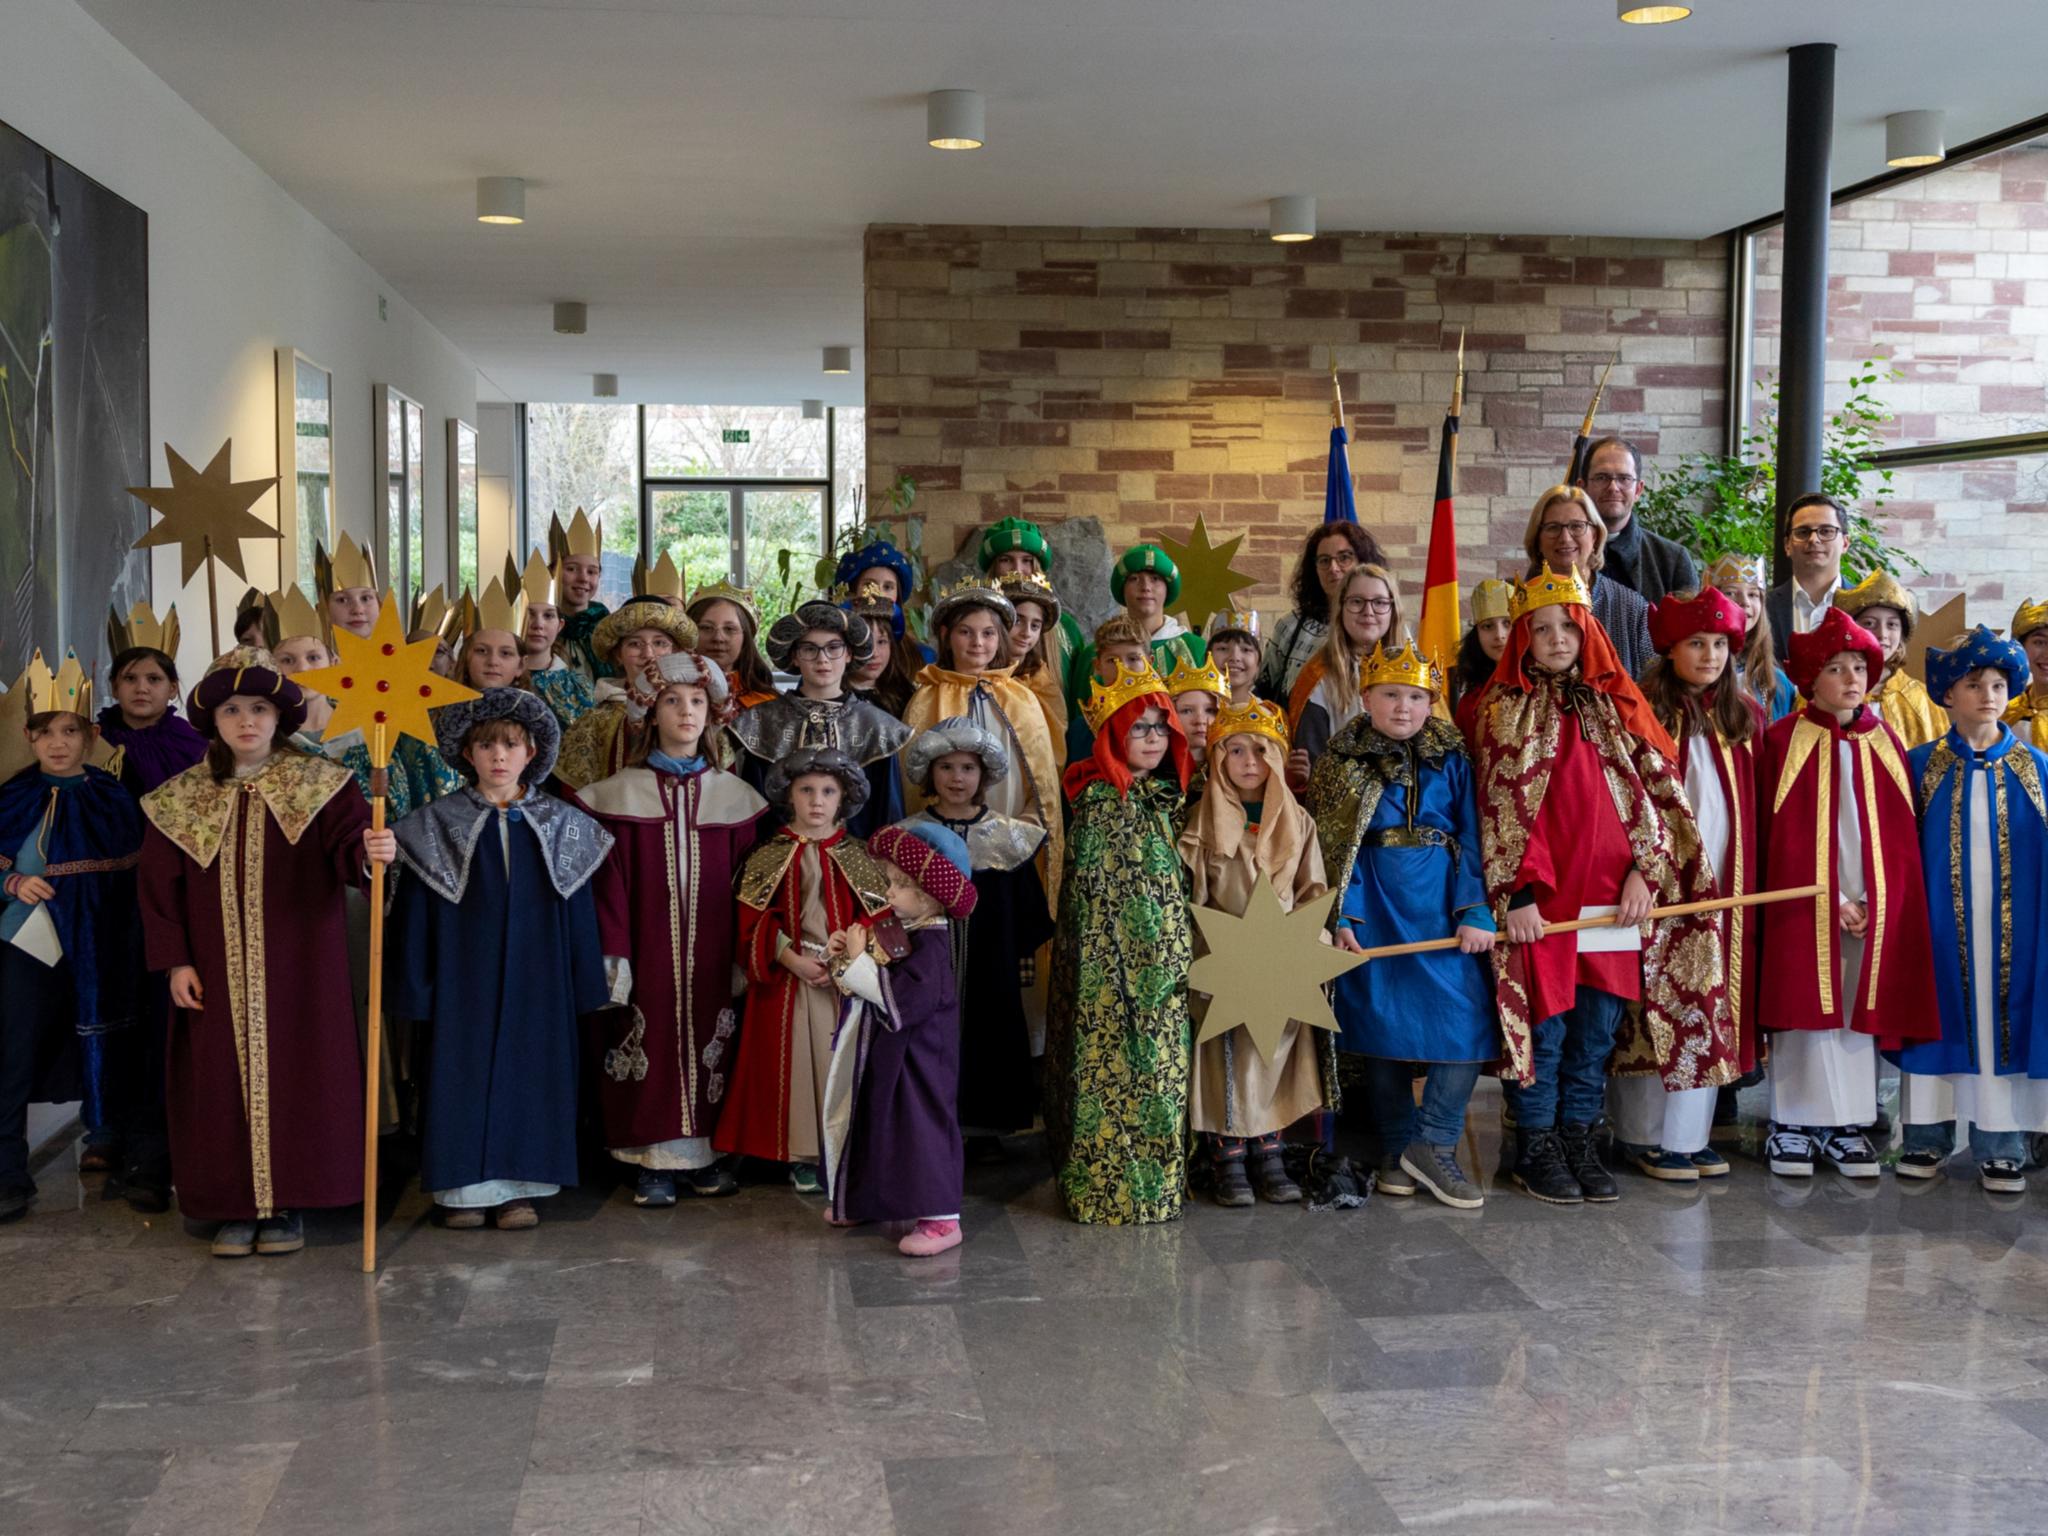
[
  {"x": 1607, "y": 940},
  {"x": 37, "y": 937}
]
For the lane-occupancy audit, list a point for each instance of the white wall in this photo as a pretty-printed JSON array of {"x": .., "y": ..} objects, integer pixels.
[{"x": 236, "y": 270}]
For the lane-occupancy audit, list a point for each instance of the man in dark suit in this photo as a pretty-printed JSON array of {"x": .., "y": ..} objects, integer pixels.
[
  {"x": 1650, "y": 563},
  {"x": 1816, "y": 533}
]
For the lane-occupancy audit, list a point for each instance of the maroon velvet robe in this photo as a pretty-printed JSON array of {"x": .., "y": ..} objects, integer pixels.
[
  {"x": 665, "y": 906},
  {"x": 1800, "y": 784},
  {"x": 264, "y": 1082}
]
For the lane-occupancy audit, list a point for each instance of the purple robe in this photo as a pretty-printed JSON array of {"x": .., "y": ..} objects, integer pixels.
[{"x": 155, "y": 754}]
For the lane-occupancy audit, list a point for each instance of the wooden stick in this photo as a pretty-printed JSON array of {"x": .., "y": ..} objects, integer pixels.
[
  {"x": 372, "y": 1098},
  {"x": 212, "y": 597},
  {"x": 1458, "y": 389},
  {"x": 1593, "y": 410},
  {"x": 1573, "y": 925}
]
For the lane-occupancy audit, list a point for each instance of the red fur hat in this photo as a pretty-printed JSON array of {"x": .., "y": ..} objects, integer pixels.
[
  {"x": 1835, "y": 633},
  {"x": 1710, "y": 612}
]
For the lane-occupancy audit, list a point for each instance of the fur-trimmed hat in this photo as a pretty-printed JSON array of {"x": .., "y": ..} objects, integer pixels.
[
  {"x": 1835, "y": 633},
  {"x": 642, "y": 613},
  {"x": 945, "y": 737},
  {"x": 785, "y": 632},
  {"x": 853, "y": 783},
  {"x": 248, "y": 672},
  {"x": 936, "y": 858},
  {"x": 454, "y": 722}
]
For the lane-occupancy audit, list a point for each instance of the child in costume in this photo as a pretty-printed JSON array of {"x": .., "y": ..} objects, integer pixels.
[
  {"x": 808, "y": 881},
  {"x": 1848, "y": 973},
  {"x": 1117, "y": 1035},
  {"x": 728, "y": 631},
  {"x": 1327, "y": 695},
  {"x": 578, "y": 552},
  {"x": 1145, "y": 583},
  {"x": 626, "y": 644},
  {"x": 1038, "y": 639},
  {"x": 1197, "y": 694},
  {"x": 1232, "y": 636},
  {"x": 542, "y": 657},
  {"x": 892, "y": 1141},
  {"x": 156, "y": 742},
  {"x": 70, "y": 938},
  {"x": 1249, "y": 825},
  {"x": 1692, "y": 686},
  {"x": 1394, "y": 804},
  {"x": 1479, "y": 652},
  {"x": 243, "y": 867},
  {"x": 1583, "y": 814},
  {"x": 1017, "y": 547},
  {"x": 498, "y": 954},
  {"x": 1741, "y": 579},
  {"x": 888, "y": 677},
  {"x": 1886, "y": 609},
  {"x": 954, "y": 763},
  {"x": 684, "y": 828},
  {"x": 1984, "y": 849},
  {"x": 2028, "y": 711}
]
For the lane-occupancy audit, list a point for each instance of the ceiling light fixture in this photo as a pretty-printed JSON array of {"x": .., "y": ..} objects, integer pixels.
[
  {"x": 1291, "y": 219},
  {"x": 954, "y": 120},
  {"x": 571, "y": 318},
  {"x": 605, "y": 386},
  {"x": 1637, "y": 13},
  {"x": 839, "y": 360},
  {"x": 500, "y": 200},
  {"x": 1914, "y": 138},
  {"x": 814, "y": 410}
]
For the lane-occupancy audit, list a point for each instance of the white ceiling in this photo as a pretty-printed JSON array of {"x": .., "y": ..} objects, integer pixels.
[{"x": 701, "y": 173}]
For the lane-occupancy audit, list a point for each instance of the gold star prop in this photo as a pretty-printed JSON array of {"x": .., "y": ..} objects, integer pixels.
[
  {"x": 1267, "y": 967},
  {"x": 384, "y": 686},
  {"x": 204, "y": 513},
  {"x": 1206, "y": 579}
]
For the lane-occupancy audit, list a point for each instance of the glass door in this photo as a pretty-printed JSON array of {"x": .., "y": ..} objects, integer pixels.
[{"x": 740, "y": 533}]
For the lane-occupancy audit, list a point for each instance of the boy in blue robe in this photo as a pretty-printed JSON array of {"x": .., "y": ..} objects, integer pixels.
[
  {"x": 70, "y": 933},
  {"x": 1984, "y": 846},
  {"x": 499, "y": 954}
]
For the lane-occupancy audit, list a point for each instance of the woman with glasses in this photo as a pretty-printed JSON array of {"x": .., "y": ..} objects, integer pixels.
[
  {"x": 819, "y": 642},
  {"x": 1565, "y": 530},
  {"x": 1331, "y": 552},
  {"x": 1327, "y": 695}
]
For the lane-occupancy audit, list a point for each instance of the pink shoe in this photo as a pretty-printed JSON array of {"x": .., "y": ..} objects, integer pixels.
[{"x": 930, "y": 1237}]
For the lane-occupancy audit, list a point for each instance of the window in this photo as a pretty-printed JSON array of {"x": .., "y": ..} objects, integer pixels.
[
  {"x": 462, "y": 504},
  {"x": 399, "y": 423},
  {"x": 733, "y": 442},
  {"x": 585, "y": 455}
]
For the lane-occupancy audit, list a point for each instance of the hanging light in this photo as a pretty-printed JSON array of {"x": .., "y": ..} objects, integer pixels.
[
  {"x": 839, "y": 360},
  {"x": 605, "y": 386},
  {"x": 1641, "y": 14},
  {"x": 500, "y": 200},
  {"x": 571, "y": 318},
  {"x": 1291, "y": 219},
  {"x": 814, "y": 410},
  {"x": 954, "y": 120},
  {"x": 1914, "y": 138}
]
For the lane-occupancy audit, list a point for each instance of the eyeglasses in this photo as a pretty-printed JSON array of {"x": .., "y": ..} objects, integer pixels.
[
  {"x": 831, "y": 650},
  {"x": 1603, "y": 482},
  {"x": 1368, "y": 605},
  {"x": 1148, "y": 728},
  {"x": 1821, "y": 533},
  {"x": 1577, "y": 530},
  {"x": 1339, "y": 560}
]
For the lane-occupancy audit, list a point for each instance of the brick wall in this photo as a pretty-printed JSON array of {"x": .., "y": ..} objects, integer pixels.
[{"x": 1142, "y": 376}]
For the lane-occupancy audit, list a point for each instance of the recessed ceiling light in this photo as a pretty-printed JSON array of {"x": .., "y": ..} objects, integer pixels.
[
  {"x": 500, "y": 200},
  {"x": 1291, "y": 219},
  {"x": 571, "y": 318},
  {"x": 1914, "y": 138},
  {"x": 954, "y": 120},
  {"x": 814, "y": 410},
  {"x": 839, "y": 360},
  {"x": 1639, "y": 14},
  {"x": 605, "y": 386}
]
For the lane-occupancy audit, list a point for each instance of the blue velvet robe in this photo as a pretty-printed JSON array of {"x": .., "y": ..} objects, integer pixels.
[
  {"x": 1433, "y": 1007},
  {"x": 94, "y": 846},
  {"x": 1947, "y": 775},
  {"x": 500, "y": 977}
]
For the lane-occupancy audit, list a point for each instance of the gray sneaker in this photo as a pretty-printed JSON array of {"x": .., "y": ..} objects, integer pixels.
[
  {"x": 1392, "y": 1177},
  {"x": 1436, "y": 1170},
  {"x": 234, "y": 1240}
]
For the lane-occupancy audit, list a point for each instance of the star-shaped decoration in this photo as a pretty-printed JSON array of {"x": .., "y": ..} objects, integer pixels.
[
  {"x": 1206, "y": 579},
  {"x": 1267, "y": 967},
  {"x": 384, "y": 682},
  {"x": 204, "y": 513}
]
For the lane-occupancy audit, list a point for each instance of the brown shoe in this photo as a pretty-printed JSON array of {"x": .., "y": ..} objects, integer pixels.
[
  {"x": 462, "y": 1218},
  {"x": 517, "y": 1216}
]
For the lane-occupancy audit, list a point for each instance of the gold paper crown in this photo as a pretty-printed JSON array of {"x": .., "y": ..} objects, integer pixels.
[
  {"x": 1186, "y": 677},
  {"x": 431, "y": 612},
  {"x": 1493, "y": 599},
  {"x": 1880, "y": 589},
  {"x": 536, "y": 583},
  {"x": 1404, "y": 665},
  {"x": 349, "y": 566},
  {"x": 724, "y": 591},
  {"x": 1105, "y": 699},
  {"x": 499, "y": 609},
  {"x": 1258, "y": 718},
  {"x": 66, "y": 688},
  {"x": 971, "y": 588},
  {"x": 1735, "y": 571},
  {"x": 2028, "y": 617},
  {"x": 142, "y": 627},
  {"x": 1019, "y": 586},
  {"x": 872, "y": 595},
  {"x": 664, "y": 580},
  {"x": 287, "y": 615},
  {"x": 1547, "y": 588},
  {"x": 582, "y": 537}
]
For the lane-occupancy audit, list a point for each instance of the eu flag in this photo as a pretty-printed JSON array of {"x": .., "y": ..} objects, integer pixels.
[{"x": 1339, "y": 505}]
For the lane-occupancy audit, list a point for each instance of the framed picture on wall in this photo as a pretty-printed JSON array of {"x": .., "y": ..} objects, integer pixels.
[
  {"x": 398, "y": 458},
  {"x": 305, "y": 464},
  {"x": 462, "y": 507}
]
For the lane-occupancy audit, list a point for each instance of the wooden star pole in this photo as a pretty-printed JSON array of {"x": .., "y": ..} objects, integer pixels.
[
  {"x": 206, "y": 514},
  {"x": 386, "y": 688}
]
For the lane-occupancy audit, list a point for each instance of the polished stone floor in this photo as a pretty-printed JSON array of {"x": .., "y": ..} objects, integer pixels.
[{"x": 1757, "y": 1357}]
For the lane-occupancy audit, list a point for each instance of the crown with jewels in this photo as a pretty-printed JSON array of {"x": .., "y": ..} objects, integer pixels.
[
  {"x": 1548, "y": 589},
  {"x": 66, "y": 688},
  {"x": 1735, "y": 571},
  {"x": 582, "y": 538},
  {"x": 1880, "y": 589},
  {"x": 349, "y": 566},
  {"x": 1186, "y": 677},
  {"x": 663, "y": 579},
  {"x": 1404, "y": 665},
  {"x": 1258, "y": 718},
  {"x": 2028, "y": 617},
  {"x": 969, "y": 589},
  {"x": 1105, "y": 699},
  {"x": 1029, "y": 586},
  {"x": 1493, "y": 599},
  {"x": 287, "y": 614},
  {"x": 142, "y": 628},
  {"x": 724, "y": 591}
]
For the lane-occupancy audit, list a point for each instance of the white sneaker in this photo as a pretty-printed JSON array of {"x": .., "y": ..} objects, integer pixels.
[
  {"x": 1790, "y": 1152},
  {"x": 2002, "y": 1176},
  {"x": 1850, "y": 1154}
]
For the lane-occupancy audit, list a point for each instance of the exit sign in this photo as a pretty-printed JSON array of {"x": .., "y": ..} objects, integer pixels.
[{"x": 737, "y": 435}]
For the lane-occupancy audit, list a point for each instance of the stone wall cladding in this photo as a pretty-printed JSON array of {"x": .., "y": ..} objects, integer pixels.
[{"x": 1142, "y": 376}]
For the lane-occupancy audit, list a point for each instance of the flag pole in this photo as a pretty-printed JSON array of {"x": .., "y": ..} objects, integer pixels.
[
  {"x": 1458, "y": 393},
  {"x": 1336, "y": 393},
  {"x": 1600, "y": 389}
]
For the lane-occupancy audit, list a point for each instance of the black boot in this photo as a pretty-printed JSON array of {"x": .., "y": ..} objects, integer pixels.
[
  {"x": 1583, "y": 1158},
  {"x": 1232, "y": 1187},
  {"x": 1269, "y": 1176},
  {"x": 1540, "y": 1168}
]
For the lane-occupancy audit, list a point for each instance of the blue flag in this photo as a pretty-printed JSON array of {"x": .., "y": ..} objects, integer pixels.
[{"x": 1339, "y": 505}]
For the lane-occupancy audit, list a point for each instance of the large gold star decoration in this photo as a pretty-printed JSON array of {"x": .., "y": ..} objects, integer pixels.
[
  {"x": 384, "y": 682},
  {"x": 1267, "y": 967},
  {"x": 1206, "y": 579},
  {"x": 204, "y": 513}
]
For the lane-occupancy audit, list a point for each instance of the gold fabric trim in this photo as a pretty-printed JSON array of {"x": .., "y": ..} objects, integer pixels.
[
  {"x": 1737, "y": 877},
  {"x": 1939, "y": 761},
  {"x": 864, "y": 873},
  {"x": 2003, "y": 823},
  {"x": 248, "y": 1003},
  {"x": 1873, "y": 952},
  {"x": 1956, "y": 896},
  {"x": 1806, "y": 736},
  {"x": 1886, "y": 750},
  {"x": 2025, "y": 770},
  {"x": 1824, "y": 918},
  {"x": 764, "y": 870},
  {"x": 195, "y": 812}
]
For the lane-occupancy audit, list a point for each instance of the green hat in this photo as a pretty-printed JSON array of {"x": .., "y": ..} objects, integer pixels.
[
  {"x": 1145, "y": 557},
  {"x": 1014, "y": 533}
]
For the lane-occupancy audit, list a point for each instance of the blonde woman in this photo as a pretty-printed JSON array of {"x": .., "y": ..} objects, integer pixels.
[
  {"x": 1327, "y": 696},
  {"x": 1565, "y": 528}
]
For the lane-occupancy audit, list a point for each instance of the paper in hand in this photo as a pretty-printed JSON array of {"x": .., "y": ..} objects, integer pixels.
[{"x": 37, "y": 937}]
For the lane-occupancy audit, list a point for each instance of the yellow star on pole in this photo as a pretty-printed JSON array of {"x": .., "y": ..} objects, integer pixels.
[
  {"x": 204, "y": 512},
  {"x": 1267, "y": 968},
  {"x": 1206, "y": 579},
  {"x": 384, "y": 686}
]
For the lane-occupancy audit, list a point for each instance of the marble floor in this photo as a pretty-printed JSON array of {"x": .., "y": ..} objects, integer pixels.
[{"x": 1761, "y": 1356}]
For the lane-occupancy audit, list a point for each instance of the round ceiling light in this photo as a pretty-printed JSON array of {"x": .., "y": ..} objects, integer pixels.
[
  {"x": 1291, "y": 219},
  {"x": 1638, "y": 14},
  {"x": 954, "y": 120},
  {"x": 1914, "y": 138},
  {"x": 500, "y": 200}
]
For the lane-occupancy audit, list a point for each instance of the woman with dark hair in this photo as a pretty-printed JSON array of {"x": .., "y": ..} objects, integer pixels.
[{"x": 1329, "y": 554}]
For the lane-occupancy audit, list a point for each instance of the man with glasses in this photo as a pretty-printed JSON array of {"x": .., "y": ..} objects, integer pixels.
[
  {"x": 1816, "y": 532},
  {"x": 1648, "y": 562}
]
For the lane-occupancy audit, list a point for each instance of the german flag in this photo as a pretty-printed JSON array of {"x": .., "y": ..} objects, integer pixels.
[{"x": 1437, "y": 635}]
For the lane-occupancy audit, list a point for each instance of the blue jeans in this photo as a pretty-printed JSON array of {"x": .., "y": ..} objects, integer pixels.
[
  {"x": 1571, "y": 1050},
  {"x": 1985, "y": 1146},
  {"x": 1445, "y": 1093}
]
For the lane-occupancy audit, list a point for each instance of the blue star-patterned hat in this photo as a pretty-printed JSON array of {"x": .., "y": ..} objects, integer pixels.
[
  {"x": 1979, "y": 648},
  {"x": 880, "y": 554}
]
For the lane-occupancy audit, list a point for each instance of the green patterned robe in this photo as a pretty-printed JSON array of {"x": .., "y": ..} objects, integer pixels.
[{"x": 1118, "y": 1038}]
